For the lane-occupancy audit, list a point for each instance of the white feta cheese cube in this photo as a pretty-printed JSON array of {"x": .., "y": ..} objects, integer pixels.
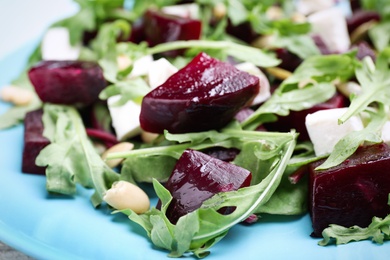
[
  {"x": 159, "y": 71},
  {"x": 385, "y": 134},
  {"x": 184, "y": 10},
  {"x": 125, "y": 119},
  {"x": 331, "y": 25},
  {"x": 264, "y": 92},
  {"x": 141, "y": 66},
  {"x": 310, "y": 6},
  {"x": 56, "y": 45},
  {"x": 324, "y": 130}
]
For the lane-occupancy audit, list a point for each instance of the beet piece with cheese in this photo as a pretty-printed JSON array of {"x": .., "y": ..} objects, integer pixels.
[
  {"x": 352, "y": 192},
  {"x": 34, "y": 142},
  {"x": 197, "y": 177},
  {"x": 67, "y": 82},
  {"x": 206, "y": 94}
]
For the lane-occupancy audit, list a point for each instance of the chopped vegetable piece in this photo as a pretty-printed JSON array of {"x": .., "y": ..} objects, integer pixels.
[
  {"x": 161, "y": 27},
  {"x": 34, "y": 142},
  {"x": 197, "y": 177},
  {"x": 206, "y": 94},
  {"x": 67, "y": 82},
  {"x": 353, "y": 192}
]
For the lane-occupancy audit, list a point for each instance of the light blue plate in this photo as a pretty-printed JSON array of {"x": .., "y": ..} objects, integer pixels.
[{"x": 47, "y": 227}]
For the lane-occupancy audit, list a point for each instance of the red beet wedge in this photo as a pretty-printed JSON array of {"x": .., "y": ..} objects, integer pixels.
[
  {"x": 67, "y": 82},
  {"x": 197, "y": 177},
  {"x": 160, "y": 27},
  {"x": 206, "y": 94},
  {"x": 353, "y": 192},
  {"x": 34, "y": 142}
]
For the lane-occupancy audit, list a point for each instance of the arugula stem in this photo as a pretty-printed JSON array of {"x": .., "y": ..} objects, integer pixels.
[
  {"x": 204, "y": 44},
  {"x": 148, "y": 151}
]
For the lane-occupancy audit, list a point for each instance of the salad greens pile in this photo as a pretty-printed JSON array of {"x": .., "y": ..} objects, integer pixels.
[{"x": 71, "y": 158}]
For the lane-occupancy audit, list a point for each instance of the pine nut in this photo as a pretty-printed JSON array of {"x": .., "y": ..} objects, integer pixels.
[
  {"x": 123, "y": 62},
  {"x": 148, "y": 137},
  {"x": 119, "y": 147},
  {"x": 219, "y": 10},
  {"x": 17, "y": 96},
  {"x": 125, "y": 195}
]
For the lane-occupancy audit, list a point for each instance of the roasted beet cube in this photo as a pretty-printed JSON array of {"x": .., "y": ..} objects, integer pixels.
[
  {"x": 296, "y": 119},
  {"x": 67, "y": 82},
  {"x": 160, "y": 27},
  {"x": 352, "y": 192},
  {"x": 197, "y": 177},
  {"x": 34, "y": 142},
  {"x": 206, "y": 94}
]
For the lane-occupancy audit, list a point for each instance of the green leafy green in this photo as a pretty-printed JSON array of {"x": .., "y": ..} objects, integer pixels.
[
  {"x": 202, "y": 228},
  {"x": 375, "y": 83},
  {"x": 70, "y": 157},
  {"x": 378, "y": 231},
  {"x": 313, "y": 82}
]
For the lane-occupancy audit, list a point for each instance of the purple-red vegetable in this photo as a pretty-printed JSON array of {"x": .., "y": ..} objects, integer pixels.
[
  {"x": 67, "y": 82},
  {"x": 197, "y": 177},
  {"x": 206, "y": 94},
  {"x": 352, "y": 192},
  {"x": 34, "y": 142}
]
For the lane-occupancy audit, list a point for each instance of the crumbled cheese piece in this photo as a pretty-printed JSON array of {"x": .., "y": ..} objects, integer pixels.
[
  {"x": 385, "y": 134},
  {"x": 125, "y": 119},
  {"x": 264, "y": 92},
  {"x": 56, "y": 45},
  {"x": 159, "y": 71},
  {"x": 331, "y": 25},
  {"x": 141, "y": 66},
  {"x": 324, "y": 130},
  {"x": 184, "y": 10}
]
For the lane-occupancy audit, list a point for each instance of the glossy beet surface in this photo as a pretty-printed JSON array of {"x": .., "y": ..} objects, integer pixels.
[
  {"x": 197, "y": 177},
  {"x": 204, "y": 95},
  {"x": 296, "y": 119},
  {"x": 353, "y": 192},
  {"x": 34, "y": 142},
  {"x": 160, "y": 27},
  {"x": 67, "y": 82}
]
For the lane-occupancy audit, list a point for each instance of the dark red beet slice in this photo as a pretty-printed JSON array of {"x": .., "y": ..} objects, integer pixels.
[
  {"x": 363, "y": 50},
  {"x": 296, "y": 119},
  {"x": 353, "y": 192},
  {"x": 197, "y": 177},
  {"x": 360, "y": 17},
  {"x": 34, "y": 142},
  {"x": 160, "y": 27},
  {"x": 206, "y": 94},
  {"x": 67, "y": 82}
]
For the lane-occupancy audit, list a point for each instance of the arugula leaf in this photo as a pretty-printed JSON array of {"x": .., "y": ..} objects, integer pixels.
[
  {"x": 199, "y": 230},
  {"x": 377, "y": 231},
  {"x": 70, "y": 157},
  {"x": 310, "y": 84},
  {"x": 379, "y": 36},
  {"x": 375, "y": 83},
  {"x": 238, "y": 51}
]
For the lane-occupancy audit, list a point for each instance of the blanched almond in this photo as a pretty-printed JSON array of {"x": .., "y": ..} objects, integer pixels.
[
  {"x": 120, "y": 147},
  {"x": 125, "y": 195},
  {"x": 17, "y": 96},
  {"x": 148, "y": 137}
]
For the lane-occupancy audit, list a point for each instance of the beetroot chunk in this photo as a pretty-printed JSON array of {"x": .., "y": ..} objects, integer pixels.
[
  {"x": 352, "y": 192},
  {"x": 67, "y": 82},
  {"x": 34, "y": 142},
  {"x": 206, "y": 94},
  {"x": 160, "y": 27},
  {"x": 197, "y": 177}
]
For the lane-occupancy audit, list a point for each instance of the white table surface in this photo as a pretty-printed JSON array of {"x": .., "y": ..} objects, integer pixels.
[{"x": 22, "y": 21}]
